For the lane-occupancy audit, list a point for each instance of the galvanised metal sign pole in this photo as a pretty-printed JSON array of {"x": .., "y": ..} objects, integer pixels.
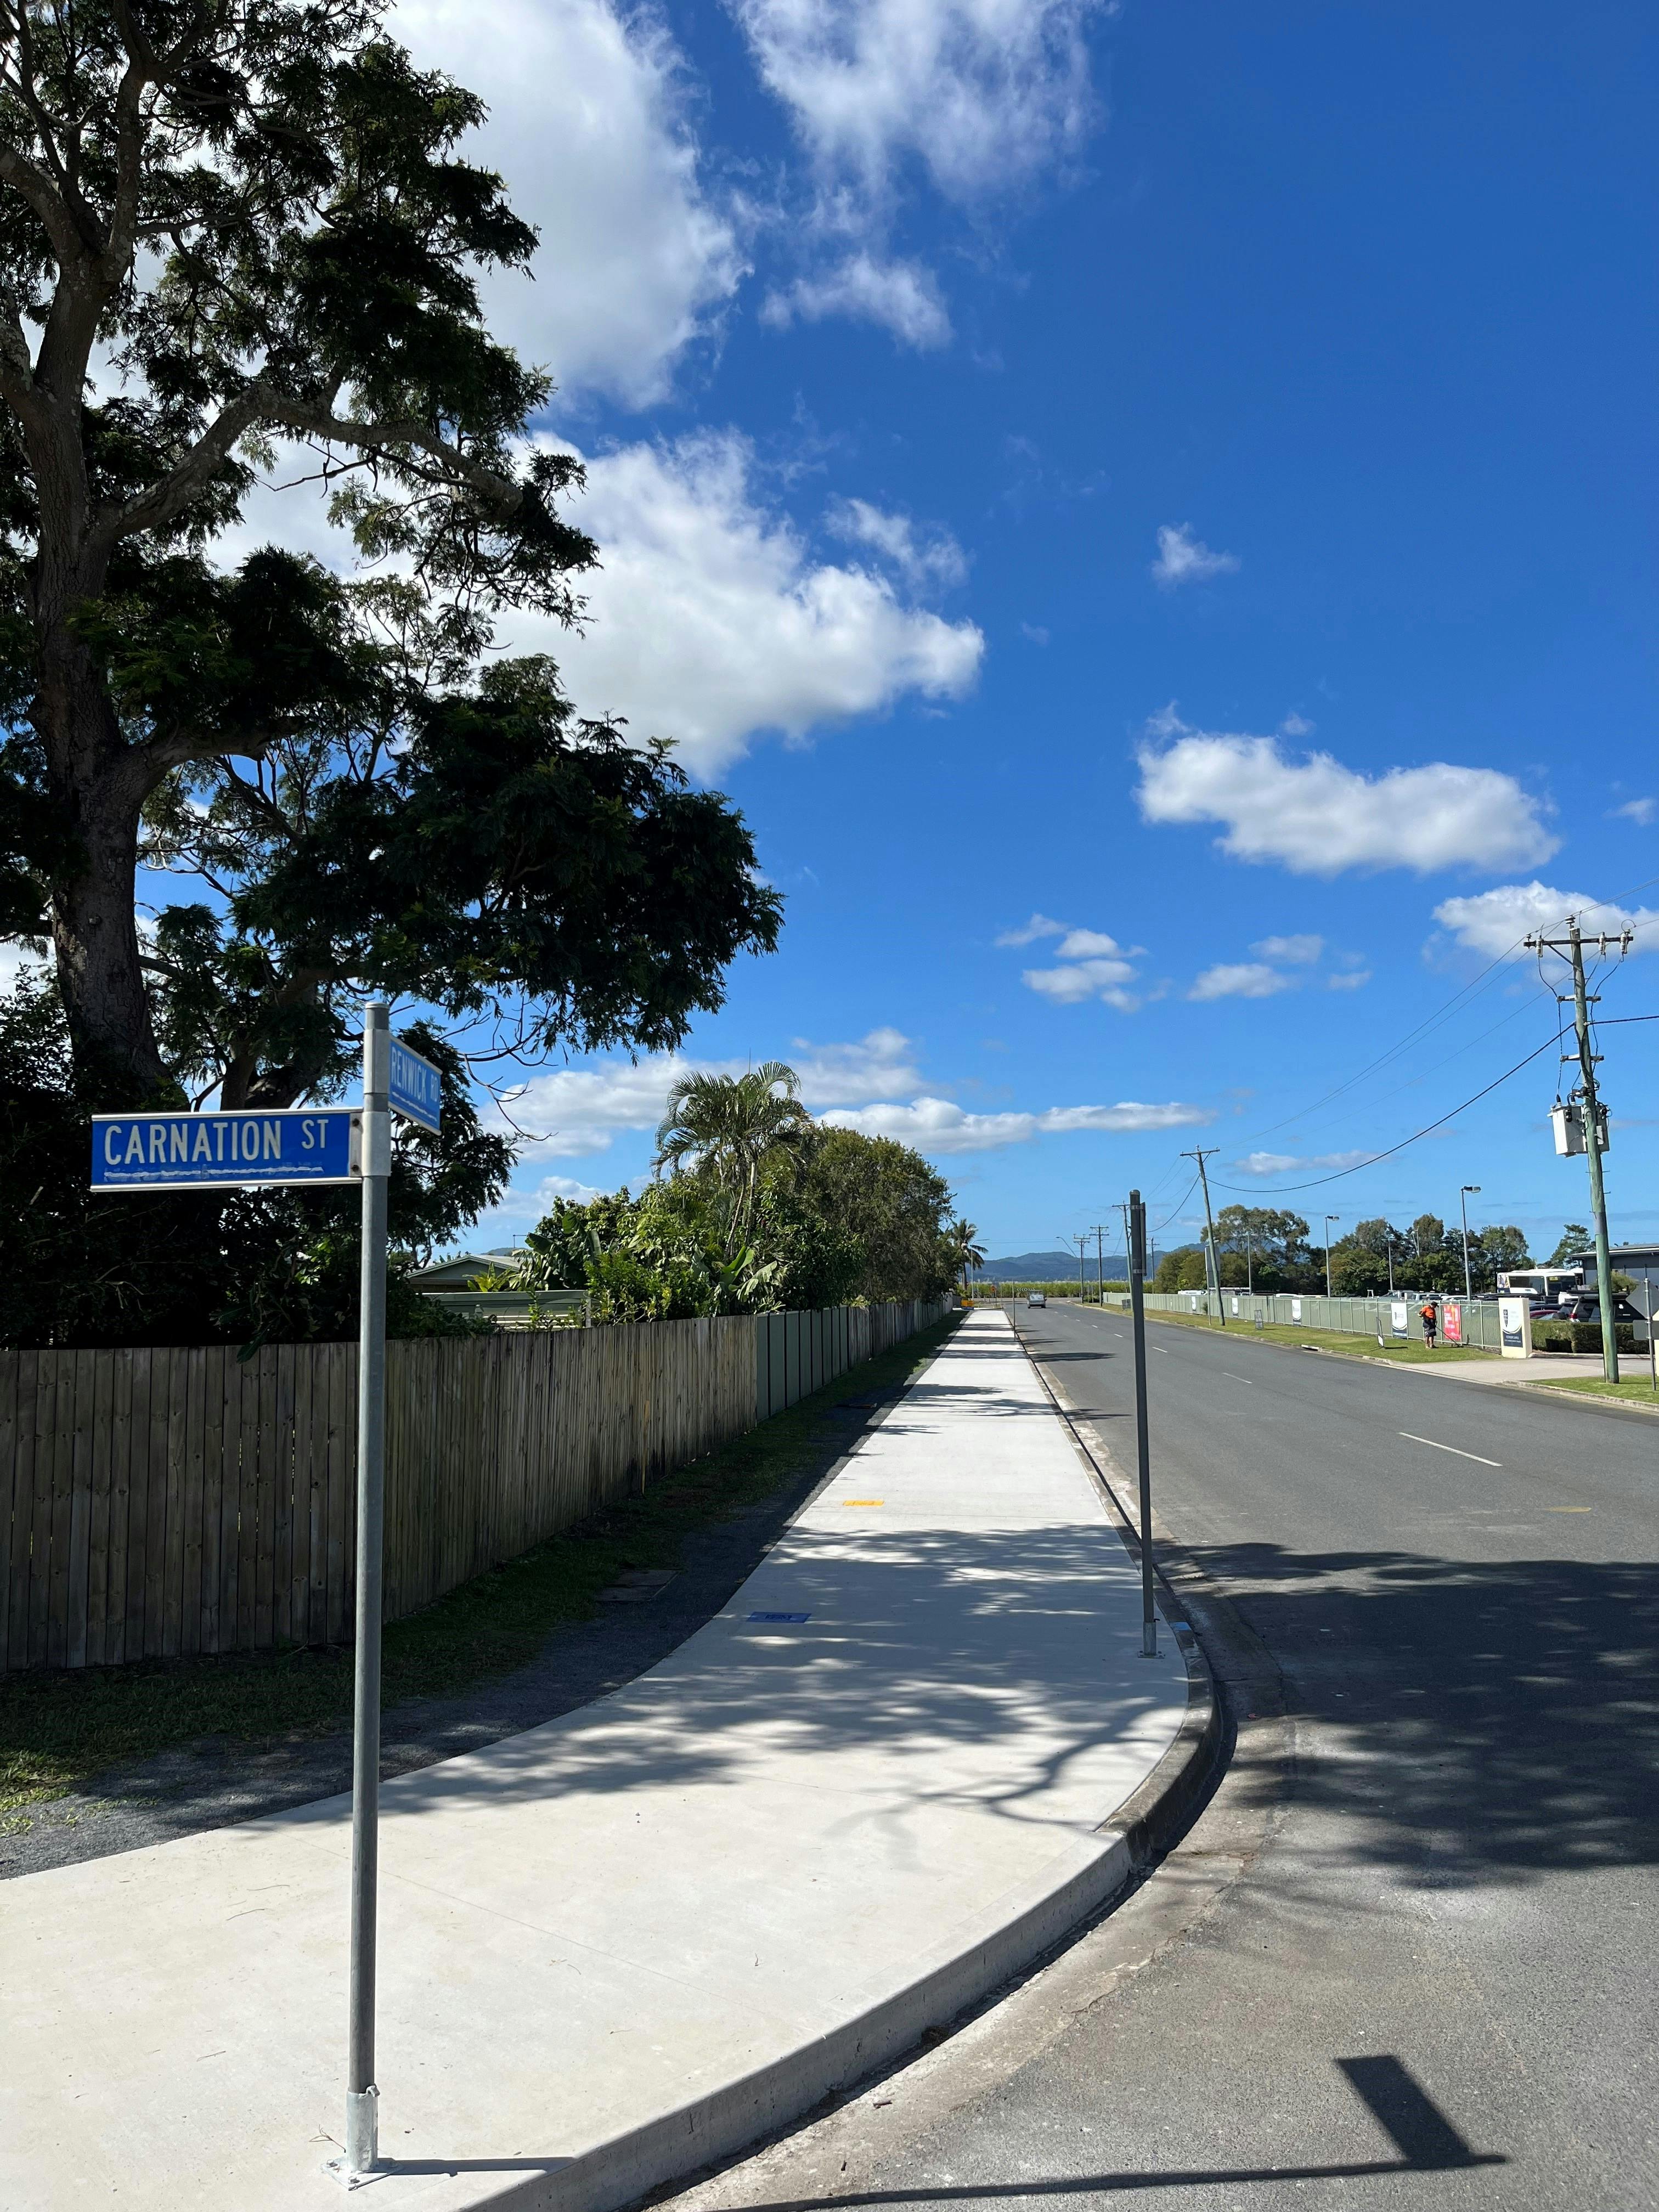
[
  {"x": 395, "y": 1079},
  {"x": 1143, "y": 1438},
  {"x": 289, "y": 1147}
]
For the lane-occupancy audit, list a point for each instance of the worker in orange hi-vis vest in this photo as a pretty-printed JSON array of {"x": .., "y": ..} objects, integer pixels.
[{"x": 1430, "y": 1321}]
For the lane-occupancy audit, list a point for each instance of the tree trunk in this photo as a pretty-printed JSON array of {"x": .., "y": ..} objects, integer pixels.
[{"x": 102, "y": 789}]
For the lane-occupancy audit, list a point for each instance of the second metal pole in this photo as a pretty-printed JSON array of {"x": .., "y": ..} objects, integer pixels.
[
  {"x": 1143, "y": 1438},
  {"x": 362, "y": 2097}
]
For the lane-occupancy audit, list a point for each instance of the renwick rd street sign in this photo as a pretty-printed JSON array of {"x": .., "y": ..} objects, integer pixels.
[
  {"x": 415, "y": 1088},
  {"x": 224, "y": 1151}
]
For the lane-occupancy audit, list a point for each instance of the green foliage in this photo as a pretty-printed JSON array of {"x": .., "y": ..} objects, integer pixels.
[
  {"x": 261, "y": 215},
  {"x": 207, "y": 1267},
  {"x": 892, "y": 1205},
  {"x": 836, "y": 1218},
  {"x": 1574, "y": 1239},
  {"x": 1183, "y": 1271}
]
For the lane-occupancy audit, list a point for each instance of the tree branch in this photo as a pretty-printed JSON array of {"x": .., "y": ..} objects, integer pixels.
[{"x": 260, "y": 403}]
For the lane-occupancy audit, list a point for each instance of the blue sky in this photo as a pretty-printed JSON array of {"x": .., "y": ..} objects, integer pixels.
[{"x": 1148, "y": 510}]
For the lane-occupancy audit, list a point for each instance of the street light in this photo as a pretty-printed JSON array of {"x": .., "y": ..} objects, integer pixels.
[
  {"x": 1329, "y": 1218},
  {"x": 1463, "y": 1203}
]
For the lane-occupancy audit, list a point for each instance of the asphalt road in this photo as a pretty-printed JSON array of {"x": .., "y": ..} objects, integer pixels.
[{"x": 1426, "y": 1975}]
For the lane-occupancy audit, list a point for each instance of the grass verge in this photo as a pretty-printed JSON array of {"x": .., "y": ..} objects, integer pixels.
[
  {"x": 58, "y": 1730},
  {"x": 1629, "y": 1393},
  {"x": 1410, "y": 1353}
]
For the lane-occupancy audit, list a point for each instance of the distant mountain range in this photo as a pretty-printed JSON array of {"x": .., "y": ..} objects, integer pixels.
[{"x": 1050, "y": 1267}]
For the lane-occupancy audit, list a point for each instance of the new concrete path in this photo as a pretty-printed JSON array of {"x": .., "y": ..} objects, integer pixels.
[{"x": 618, "y": 1945}]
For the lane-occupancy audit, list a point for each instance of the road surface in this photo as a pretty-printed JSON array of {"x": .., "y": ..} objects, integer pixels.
[{"x": 1408, "y": 1956}]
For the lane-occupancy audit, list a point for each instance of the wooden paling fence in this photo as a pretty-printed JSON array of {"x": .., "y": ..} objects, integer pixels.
[{"x": 158, "y": 1502}]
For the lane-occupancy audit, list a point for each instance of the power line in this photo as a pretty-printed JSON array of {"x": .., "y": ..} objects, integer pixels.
[{"x": 1283, "y": 1190}]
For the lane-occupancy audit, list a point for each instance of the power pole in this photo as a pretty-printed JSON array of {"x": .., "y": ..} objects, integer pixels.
[
  {"x": 1081, "y": 1247},
  {"x": 1571, "y": 948},
  {"x": 1100, "y": 1263},
  {"x": 1201, "y": 1155}
]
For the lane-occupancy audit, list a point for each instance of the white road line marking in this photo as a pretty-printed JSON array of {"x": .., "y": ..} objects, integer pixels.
[
  {"x": 1244, "y": 1379},
  {"x": 1432, "y": 1446}
]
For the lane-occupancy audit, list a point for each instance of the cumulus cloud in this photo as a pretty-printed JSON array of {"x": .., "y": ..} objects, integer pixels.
[
  {"x": 901, "y": 297},
  {"x": 588, "y": 123},
  {"x": 1639, "y": 810},
  {"x": 1184, "y": 559},
  {"x": 939, "y": 1125},
  {"x": 711, "y": 621},
  {"x": 1317, "y": 817},
  {"x": 1069, "y": 986},
  {"x": 1355, "y": 980},
  {"x": 578, "y": 1111},
  {"x": 1276, "y": 1163},
  {"x": 1495, "y": 921},
  {"x": 1096, "y": 966},
  {"x": 877, "y": 1067},
  {"x": 1299, "y": 951},
  {"x": 1241, "y": 979}
]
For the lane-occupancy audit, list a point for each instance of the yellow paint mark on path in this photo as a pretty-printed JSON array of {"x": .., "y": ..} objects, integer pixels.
[{"x": 864, "y": 1501}]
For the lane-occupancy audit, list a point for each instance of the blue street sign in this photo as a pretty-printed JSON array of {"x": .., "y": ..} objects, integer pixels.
[
  {"x": 222, "y": 1152},
  {"x": 414, "y": 1088}
]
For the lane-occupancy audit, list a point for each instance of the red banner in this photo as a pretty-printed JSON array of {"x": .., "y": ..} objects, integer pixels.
[{"x": 1451, "y": 1323}]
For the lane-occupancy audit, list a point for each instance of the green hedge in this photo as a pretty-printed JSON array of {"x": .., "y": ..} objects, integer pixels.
[{"x": 1581, "y": 1336}]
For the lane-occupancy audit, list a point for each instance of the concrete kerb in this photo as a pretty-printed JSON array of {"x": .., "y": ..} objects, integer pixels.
[
  {"x": 673, "y": 2151},
  {"x": 1037, "y": 1918}
]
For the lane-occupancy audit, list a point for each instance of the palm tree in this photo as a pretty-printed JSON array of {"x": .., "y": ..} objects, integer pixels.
[
  {"x": 729, "y": 1126},
  {"x": 965, "y": 1250}
]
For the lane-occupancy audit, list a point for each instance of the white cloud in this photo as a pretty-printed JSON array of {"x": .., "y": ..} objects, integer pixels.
[
  {"x": 1086, "y": 979},
  {"x": 1096, "y": 966},
  {"x": 939, "y": 1126},
  {"x": 1318, "y": 817},
  {"x": 17, "y": 961},
  {"x": 1241, "y": 979},
  {"x": 1276, "y": 1164},
  {"x": 1039, "y": 925},
  {"x": 925, "y": 559},
  {"x": 588, "y": 125},
  {"x": 877, "y": 1067},
  {"x": 899, "y": 296},
  {"x": 982, "y": 93},
  {"x": 1299, "y": 951},
  {"x": 1184, "y": 559},
  {"x": 979, "y": 96},
  {"x": 710, "y": 619},
  {"x": 1640, "y": 810},
  {"x": 578, "y": 1111},
  {"x": 1495, "y": 922},
  {"x": 1355, "y": 981}
]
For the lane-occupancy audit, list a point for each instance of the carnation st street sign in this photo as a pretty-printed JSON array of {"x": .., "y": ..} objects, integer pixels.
[
  {"x": 320, "y": 1144},
  {"x": 224, "y": 1151}
]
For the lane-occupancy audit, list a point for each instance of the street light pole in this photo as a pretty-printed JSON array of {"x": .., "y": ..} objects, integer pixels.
[
  {"x": 1464, "y": 1196},
  {"x": 1329, "y": 1218}
]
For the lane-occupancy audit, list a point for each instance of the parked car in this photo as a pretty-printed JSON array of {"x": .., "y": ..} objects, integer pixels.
[
  {"x": 1589, "y": 1308},
  {"x": 1036, "y": 1298}
]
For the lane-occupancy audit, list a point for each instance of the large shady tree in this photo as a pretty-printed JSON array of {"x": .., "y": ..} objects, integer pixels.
[{"x": 232, "y": 231}]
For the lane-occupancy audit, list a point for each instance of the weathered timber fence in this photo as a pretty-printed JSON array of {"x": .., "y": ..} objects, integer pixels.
[{"x": 161, "y": 1501}]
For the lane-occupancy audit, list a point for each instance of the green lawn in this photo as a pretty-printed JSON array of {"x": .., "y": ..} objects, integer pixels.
[
  {"x": 1412, "y": 1352},
  {"x": 56, "y": 1729},
  {"x": 1632, "y": 1393}
]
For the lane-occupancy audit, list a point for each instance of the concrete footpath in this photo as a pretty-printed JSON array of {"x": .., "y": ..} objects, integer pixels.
[{"x": 620, "y": 1945}]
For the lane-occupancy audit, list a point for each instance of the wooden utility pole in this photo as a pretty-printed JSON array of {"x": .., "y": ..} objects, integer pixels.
[
  {"x": 1201, "y": 1155},
  {"x": 1572, "y": 949}
]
